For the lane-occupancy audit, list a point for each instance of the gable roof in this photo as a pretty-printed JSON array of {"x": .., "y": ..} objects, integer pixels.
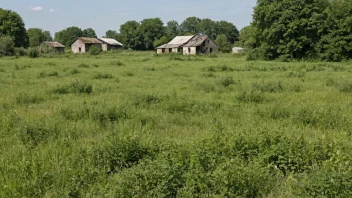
[
  {"x": 88, "y": 40},
  {"x": 178, "y": 41},
  {"x": 110, "y": 41},
  {"x": 196, "y": 41},
  {"x": 54, "y": 44}
]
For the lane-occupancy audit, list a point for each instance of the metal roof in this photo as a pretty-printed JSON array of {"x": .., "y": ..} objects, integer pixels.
[
  {"x": 88, "y": 40},
  {"x": 53, "y": 44},
  {"x": 178, "y": 41},
  {"x": 110, "y": 41},
  {"x": 196, "y": 41}
]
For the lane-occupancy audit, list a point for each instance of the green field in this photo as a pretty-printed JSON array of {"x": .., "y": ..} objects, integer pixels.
[{"x": 136, "y": 124}]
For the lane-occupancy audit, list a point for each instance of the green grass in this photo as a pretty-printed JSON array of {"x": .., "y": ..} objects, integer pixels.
[{"x": 136, "y": 124}]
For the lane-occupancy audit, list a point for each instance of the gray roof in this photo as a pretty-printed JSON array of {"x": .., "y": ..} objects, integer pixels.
[
  {"x": 54, "y": 44},
  {"x": 178, "y": 41},
  {"x": 196, "y": 41},
  {"x": 88, "y": 40},
  {"x": 110, "y": 41}
]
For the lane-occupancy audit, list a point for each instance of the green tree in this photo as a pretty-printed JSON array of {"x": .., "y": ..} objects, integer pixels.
[
  {"x": 336, "y": 44},
  {"x": 150, "y": 30},
  {"x": 6, "y": 45},
  {"x": 229, "y": 29},
  {"x": 130, "y": 35},
  {"x": 89, "y": 32},
  {"x": 172, "y": 29},
  {"x": 68, "y": 35},
  {"x": 191, "y": 25},
  {"x": 288, "y": 27},
  {"x": 111, "y": 34},
  {"x": 247, "y": 37},
  {"x": 12, "y": 25},
  {"x": 209, "y": 28},
  {"x": 223, "y": 43},
  {"x": 161, "y": 41},
  {"x": 36, "y": 37},
  {"x": 47, "y": 36}
]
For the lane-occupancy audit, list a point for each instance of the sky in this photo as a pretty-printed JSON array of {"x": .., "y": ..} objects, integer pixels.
[{"x": 103, "y": 15}]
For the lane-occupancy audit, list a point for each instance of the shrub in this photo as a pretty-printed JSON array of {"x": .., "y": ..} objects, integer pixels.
[
  {"x": 117, "y": 63},
  {"x": 227, "y": 81},
  {"x": 33, "y": 53},
  {"x": 6, "y": 46},
  {"x": 269, "y": 86},
  {"x": 20, "y": 51},
  {"x": 82, "y": 65},
  {"x": 94, "y": 50},
  {"x": 102, "y": 76},
  {"x": 75, "y": 87},
  {"x": 75, "y": 71},
  {"x": 252, "y": 97}
]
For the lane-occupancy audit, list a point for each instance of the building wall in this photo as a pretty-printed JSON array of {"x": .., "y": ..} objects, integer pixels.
[
  {"x": 175, "y": 50},
  {"x": 159, "y": 51},
  {"x": 113, "y": 47},
  {"x": 189, "y": 50},
  {"x": 78, "y": 44},
  {"x": 209, "y": 44},
  {"x": 59, "y": 49},
  {"x": 89, "y": 45},
  {"x": 105, "y": 47}
]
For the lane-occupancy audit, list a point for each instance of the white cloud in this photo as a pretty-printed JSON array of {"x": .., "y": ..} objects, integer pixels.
[
  {"x": 51, "y": 10},
  {"x": 37, "y": 8}
]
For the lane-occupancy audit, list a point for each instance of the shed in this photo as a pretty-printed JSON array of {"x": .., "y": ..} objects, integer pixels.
[
  {"x": 82, "y": 44},
  {"x": 110, "y": 44},
  {"x": 200, "y": 45},
  {"x": 174, "y": 46},
  {"x": 237, "y": 50},
  {"x": 55, "y": 45}
]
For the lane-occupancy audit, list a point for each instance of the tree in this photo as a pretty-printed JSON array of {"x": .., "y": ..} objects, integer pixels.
[
  {"x": 190, "y": 25},
  {"x": 229, "y": 29},
  {"x": 6, "y": 45},
  {"x": 68, "y": 35},
  {"x": 47, "y": 36},
  {"x": 247, "y": 37},
  {"x": 150, "y": 30},
  {"x": 336, "y": 44},
  {"x": 223, "y": 43},
  {"x": 288, "y": 27},
  {"x": 161, "y": 41},
  {"x": 209, "y": 28},
  {"x": 130, "y": 35},
  {"x": 111, "y": 34},
  {"x": 89, "y": 32},
  {"x": 36, "y": 37},
  {"x": 172, "y": 29},
  {"x": 12, "y": 25}
]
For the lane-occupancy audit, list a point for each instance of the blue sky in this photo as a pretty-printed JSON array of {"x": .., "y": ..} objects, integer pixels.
[{"x": 55, "y": 15}]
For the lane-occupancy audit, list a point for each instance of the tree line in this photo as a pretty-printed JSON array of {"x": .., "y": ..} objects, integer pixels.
[{"x": 307, "y": 29}]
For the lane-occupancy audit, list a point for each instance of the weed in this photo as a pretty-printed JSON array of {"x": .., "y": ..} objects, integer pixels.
[
  {"x": 251, "y": 97},
  {"x": 82, "y": 65},
  {"x": 75, "y": 87},
  {"x": 103, "y": 76},
  {"x": 117, "y": 63}
]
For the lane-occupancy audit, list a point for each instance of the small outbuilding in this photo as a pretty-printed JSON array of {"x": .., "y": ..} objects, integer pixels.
[
  {"x": 58, "y": 47},
  {"x": 174, "y": 46},
  {"x": 82, "y": 44},
  {"x": 110, "y": 44},
  {"x": 200, "y": 45},
  {"x": 237, "y": 50},
  {"x": 189, "y": 45}
]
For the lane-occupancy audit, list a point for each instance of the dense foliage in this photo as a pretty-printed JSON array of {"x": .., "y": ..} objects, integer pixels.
[
  {"x": 38, "y": 36},
  {"x": 12, "y": 25},
  {"x": 309, "y": 29},
  {"x": 68, "y": 35}
]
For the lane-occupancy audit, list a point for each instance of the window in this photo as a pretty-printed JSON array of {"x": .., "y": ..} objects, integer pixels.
[
  {"x": 211, "y": 50},
  {"x": 189, "y": 50},
  {"x": 170, "y": 50},
  {"x": 163, "y": 50},
  {"x": 79, "y": 49},
  {"x": 208, "y": 41}
]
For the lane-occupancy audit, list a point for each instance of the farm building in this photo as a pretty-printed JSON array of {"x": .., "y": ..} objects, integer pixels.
[
  {"x": 237, "y": 50},
  {"x": 189, "y": 45},
  {"x": 200, "y": 45},
  {"x": 110, "y": 44},
  {"x": 174, "y": 46},
  {"x": 82, "y": 44},
  {"x": 55, "y": 45}
]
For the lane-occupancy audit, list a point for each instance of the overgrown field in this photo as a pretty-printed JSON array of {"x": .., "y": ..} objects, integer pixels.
[{"x": 135, "y": 124}]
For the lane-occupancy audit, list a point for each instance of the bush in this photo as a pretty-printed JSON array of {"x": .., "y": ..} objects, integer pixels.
[
  {"x": 6, "y": 46},
  {"x": 75, "y": 87},
  {"x": 94, "y": 50},
  {"x": 227, "y": 81},
  {"x": 102, "y": 76},
  {"x": 252, "y": 97},
  {"x": 33, "y": 53},
  {"x": 20, "y": 51},
  {"x": 117, "y": 63}
]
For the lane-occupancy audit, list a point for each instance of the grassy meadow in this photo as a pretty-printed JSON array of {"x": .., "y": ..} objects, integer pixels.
[{"x": 137, "y": 124}]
